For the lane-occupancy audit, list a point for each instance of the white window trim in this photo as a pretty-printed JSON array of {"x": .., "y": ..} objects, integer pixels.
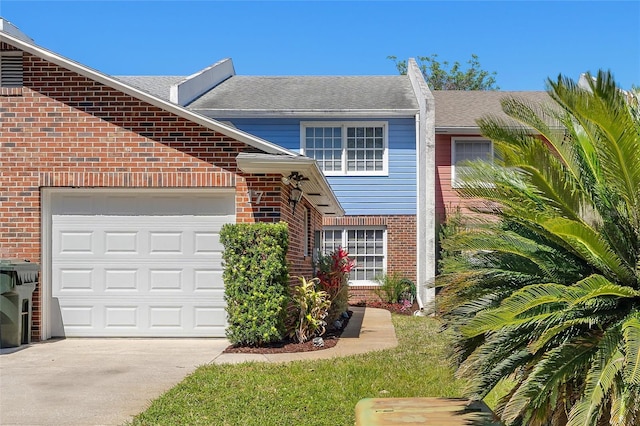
[
  {"x": 344, "y": 124},
  {"x": 344, "y": 229},
  {"x": 454, "y": 182}
]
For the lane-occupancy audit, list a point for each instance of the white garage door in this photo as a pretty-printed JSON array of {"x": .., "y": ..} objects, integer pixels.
[{"x": 139, "y": 263}]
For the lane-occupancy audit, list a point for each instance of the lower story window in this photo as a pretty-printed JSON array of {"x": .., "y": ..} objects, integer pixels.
[{"x": 367, "y": 246}]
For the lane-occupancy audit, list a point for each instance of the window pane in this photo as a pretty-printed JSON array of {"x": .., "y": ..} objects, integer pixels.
[
  {"x": 472, "y": 150},
  {"x": 367, "y": 145},
  {"x": 324, "y": 144},
  {"x": 366, "y": 247}
]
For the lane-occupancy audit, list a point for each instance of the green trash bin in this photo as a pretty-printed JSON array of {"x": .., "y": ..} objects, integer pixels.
[{"x": 18, "y": 279}]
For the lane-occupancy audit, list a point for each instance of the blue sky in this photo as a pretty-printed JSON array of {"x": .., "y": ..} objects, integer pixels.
[{"x": 524, "y": 42}]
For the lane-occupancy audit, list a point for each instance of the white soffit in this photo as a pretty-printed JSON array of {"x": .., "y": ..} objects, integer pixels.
[{"x": 316, "y": 190}]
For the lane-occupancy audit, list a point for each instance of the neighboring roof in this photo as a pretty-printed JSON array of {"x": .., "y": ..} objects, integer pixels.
[
  {"x": 244, "y": 95},
  {"x": 457, "y": 110},
  {"x": 156, "y": 85}
]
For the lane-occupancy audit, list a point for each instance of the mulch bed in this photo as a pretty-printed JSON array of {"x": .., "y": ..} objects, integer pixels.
[{"x": 330, "y": 337}]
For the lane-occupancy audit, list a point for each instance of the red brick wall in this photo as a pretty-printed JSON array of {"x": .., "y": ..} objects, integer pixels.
[
  {"x": 299, "y": 264},
  {"x": 401, "y": 245},
  {"x": 63, "y": 129}
]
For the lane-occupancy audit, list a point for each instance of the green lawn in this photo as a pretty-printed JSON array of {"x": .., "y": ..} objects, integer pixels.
[{"x": 321, "y": 392}]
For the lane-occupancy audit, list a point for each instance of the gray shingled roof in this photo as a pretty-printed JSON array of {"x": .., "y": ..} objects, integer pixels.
[
  {"x": 460, "y": 108},
  {"x": 454, "y": 108},
  {"x": 157, "y": 85},
  {"x": 309, "y": 93}
]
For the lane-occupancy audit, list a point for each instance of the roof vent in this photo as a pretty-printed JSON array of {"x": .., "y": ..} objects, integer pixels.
[{"x": 11, "y": 69}]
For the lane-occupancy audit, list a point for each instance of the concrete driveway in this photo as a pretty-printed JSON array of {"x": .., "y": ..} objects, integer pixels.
[{"x": 94, "y": 381}]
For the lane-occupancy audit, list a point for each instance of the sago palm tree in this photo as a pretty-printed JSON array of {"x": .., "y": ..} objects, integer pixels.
[{"x": 545, "y": 293}]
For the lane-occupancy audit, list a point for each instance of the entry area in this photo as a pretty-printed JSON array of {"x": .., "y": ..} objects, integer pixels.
[{"x": 144, "y": 263}]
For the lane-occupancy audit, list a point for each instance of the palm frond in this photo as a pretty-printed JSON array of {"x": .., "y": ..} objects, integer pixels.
[
  {"x": 604, "y": 371},
  {"x": 631, "y": 333}
]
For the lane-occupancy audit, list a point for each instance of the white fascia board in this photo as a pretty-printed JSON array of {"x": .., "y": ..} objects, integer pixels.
[
  {"x": 355, "y": 113},
  {"x": 476, "y": 130},
  {"x": 144, "y": 96},
  {"x": 458, "y": 130},
  {"x": 285, "y": 165}
]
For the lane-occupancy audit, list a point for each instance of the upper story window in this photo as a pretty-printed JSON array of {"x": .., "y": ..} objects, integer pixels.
[
  {"x": 347, "y": 148},
  {"x": 11, "y": 69},
  {"x": 468, "y": 149}
]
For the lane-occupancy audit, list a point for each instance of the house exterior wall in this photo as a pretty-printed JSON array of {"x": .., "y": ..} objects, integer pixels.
[
  {"x": 387, "y": 201},
  {"x": 447, "y": 199},
  {"x": 301, "y": 265},
  {"x": 64, "y": 130},
  {"x": 401, "y": 246},
  {"x": 359, "y": 195}
]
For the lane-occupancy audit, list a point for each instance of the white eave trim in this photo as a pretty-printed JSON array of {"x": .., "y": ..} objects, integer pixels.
[
  {"x": 475, "y": 130},
  {"x": 144, "y": 96},
  {"x": 458, "y": 130},
  {"x": 316, "y": 190},
  {"x": 324, "y": 113}
]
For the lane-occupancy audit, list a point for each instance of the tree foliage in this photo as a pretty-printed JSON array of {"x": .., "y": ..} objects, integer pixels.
[
  {"x": 546, "y": 294},
  {"x": 442, "y": 76}
]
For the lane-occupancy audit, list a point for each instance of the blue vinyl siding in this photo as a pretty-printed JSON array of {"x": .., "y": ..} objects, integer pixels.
[{"x": 359, "y": 195}]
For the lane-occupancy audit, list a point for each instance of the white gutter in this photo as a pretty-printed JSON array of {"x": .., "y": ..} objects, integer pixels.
[
  {"x": 214, "y": 125},
  {"x": 324, "y": 113}
]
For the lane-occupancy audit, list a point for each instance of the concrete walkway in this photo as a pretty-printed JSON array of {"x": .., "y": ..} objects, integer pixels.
[{"x": 108, "y": 381}]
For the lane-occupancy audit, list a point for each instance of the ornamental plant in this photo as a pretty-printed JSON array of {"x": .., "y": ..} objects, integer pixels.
[
  {"x": 256, "y": 279},
  {"x": 308, "y": 310},
  {"x": 333, "y": 273},
  {"x": 394, "y": 288},
  {"x": 543, "y": 292}
]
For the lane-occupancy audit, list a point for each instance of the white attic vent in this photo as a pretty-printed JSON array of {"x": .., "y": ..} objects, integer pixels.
[{"x": 11, "y": 69}]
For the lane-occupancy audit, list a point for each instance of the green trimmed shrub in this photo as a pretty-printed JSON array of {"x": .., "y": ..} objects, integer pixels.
[{"x": 256, "y": 279}]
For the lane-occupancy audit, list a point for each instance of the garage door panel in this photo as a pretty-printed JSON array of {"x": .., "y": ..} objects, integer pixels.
[
  {"x": 121, "y": 279},
  {"x": 121, "y": 242},
  {"x": 76, "y": 242},
  {"x": 136, "y": 266},
  {"x": 121, "y": 316},
  {"x": 75, "y": 280},
  {"x": 206, "y": 243},
  {"x": 79, "y": 317},
  {"x": 165, "y": 319}
]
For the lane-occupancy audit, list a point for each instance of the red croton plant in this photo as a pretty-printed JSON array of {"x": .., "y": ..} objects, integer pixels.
[{"x": 333, "y": 273}]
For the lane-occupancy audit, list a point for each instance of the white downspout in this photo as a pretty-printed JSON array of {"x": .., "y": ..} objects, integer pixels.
[
  {"x": 419, "y": 247},
  {"x": 425, "y": 175}
]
